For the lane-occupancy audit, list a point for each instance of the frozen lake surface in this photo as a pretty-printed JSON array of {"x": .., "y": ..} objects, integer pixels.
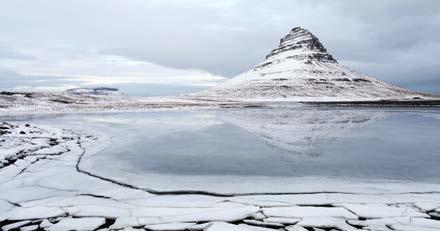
[
  {"x": 242, "y": 168},
  {"x": 234, "y": 148}
]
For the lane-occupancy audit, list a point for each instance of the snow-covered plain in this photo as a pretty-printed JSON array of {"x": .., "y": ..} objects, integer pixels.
[
  {"x": 43, "y": 185},
  {"x": 84, "y": 100}
]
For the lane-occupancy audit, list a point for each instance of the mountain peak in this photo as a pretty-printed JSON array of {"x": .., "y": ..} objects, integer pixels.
[
  {"x": 302, "y": 45},
  {"x": 301, "y": 69}
]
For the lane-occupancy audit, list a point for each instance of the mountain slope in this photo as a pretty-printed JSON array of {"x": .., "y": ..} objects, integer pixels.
[{"x": 301, "y": 69}]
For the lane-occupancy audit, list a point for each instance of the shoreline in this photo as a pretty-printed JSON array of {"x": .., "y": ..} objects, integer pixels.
[
  {"x": 378, "y": 103},
  {"x": 184, "y": 105}
]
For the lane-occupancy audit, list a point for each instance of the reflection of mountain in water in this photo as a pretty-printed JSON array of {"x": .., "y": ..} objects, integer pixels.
[{"x": 303, "y": 129}]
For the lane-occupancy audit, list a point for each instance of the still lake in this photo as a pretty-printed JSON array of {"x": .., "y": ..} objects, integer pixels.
[{"x": 197, "y": 146}]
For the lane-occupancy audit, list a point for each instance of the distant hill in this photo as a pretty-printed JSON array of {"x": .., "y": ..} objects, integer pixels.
[{"x": 93, "y": 91}]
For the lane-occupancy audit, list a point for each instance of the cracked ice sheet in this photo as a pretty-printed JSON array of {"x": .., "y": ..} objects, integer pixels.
[
  {"x": 400, "y": 223},
  {"x": 177, "y": 201},
  {"x": 80, "y": 224},
  {"x": 303, "y": 211},
  {"x": 67, "y": 190},
  {"x": 20, "y": 213},
  {"x": 428, "y": 206},
  {"x": 30, "y": 193},
  {"x": 236, "y": 185},
  {"x": 221, "y": 212},
  {"x": 127, "y": 222},
  {"x": 326, "y": 222},
  {"x": 5, "y": 206},
  {"x": 170, "y": 226},
  {"x": 323, "y": 199},
  {"x": 81, "y": 200},
  {"x": 222, "y": 226},
  {"x": 97, "y": 210},
  {"x": 50, "y": 178},
  {"x": 382, "y": 211}
]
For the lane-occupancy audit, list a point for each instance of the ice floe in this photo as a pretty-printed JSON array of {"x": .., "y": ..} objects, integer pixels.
[
  {"x": 80, "y": 224},
  {"x": 304, "y": 211}
]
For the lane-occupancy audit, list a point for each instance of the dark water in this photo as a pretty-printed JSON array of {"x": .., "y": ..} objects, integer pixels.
[{"x": 350, "y": 143}]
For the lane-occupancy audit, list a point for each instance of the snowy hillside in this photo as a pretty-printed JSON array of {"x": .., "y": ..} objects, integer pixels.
[
  {"x": 95, "y": 91},
  {"x": 75, "y": 95},
  {"x": 97, "y": 99},
  {"x": 72, "y": 99},
  {"x": 301, "y": 69}
]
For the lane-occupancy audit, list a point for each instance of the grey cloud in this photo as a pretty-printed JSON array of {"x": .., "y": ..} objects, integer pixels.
[
  {"x": 393, "y": 25},
  {"x": 393, "y": 40},
  {"x": 9, "y": 53},
  {"x": 10, "y": 80}
]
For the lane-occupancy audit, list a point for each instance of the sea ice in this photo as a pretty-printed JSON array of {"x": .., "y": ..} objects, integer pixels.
[
  {"x": 381, "y": 211},
  {"x": 303, "y": 211},
  {"x": 169, "y": 226},
  {"x": 79, "y": 224}
]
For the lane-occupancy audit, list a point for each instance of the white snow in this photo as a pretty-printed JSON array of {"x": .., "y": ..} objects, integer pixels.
[
  {"x": 295, "y": 228},
  {"x": 423, "y": 222},
  {"x": 380, "y": 211},
  {"x": 304, "y": 211},
  {"x": 79, "y": 224},
  {"x": 426, "y": 206},
  {"x": 5, "y": 206},
  {"x": 220, "y": 212},
  {"x": 170, "y": 226},
  {"x": 263, "y": 223},
  {"x": 29, "y": 228},
  {"x": 325, "y": 222},
  {"x": 282, "y": 220},
  {"x": 255, "y": 228},
  {"x": 222, "y": 226},
  {"x": 20, "y": 213},
  {"x": 125, "y": 222},
  {"x": 411, "y": 228}
]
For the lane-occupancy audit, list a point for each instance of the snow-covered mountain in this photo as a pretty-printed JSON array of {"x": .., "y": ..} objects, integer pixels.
[
  {"x": 72, "y": 99},
  {"x": 93, "y": 91},
  {"x": 301, "y": 69},
  {"x": 96, "y": 99}
]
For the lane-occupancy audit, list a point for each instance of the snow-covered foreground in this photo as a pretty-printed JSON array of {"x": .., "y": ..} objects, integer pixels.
[{"x": 42, "y": 187}]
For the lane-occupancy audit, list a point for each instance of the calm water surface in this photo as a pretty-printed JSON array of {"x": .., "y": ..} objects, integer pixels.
[{"x": 397, "y": 144}]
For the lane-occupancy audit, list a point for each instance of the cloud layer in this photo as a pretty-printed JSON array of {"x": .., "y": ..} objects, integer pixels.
[{"x": 177, "y": 42}]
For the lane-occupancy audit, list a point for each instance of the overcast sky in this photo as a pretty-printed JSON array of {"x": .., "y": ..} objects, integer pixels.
[{"x": 162, "y": 46}]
